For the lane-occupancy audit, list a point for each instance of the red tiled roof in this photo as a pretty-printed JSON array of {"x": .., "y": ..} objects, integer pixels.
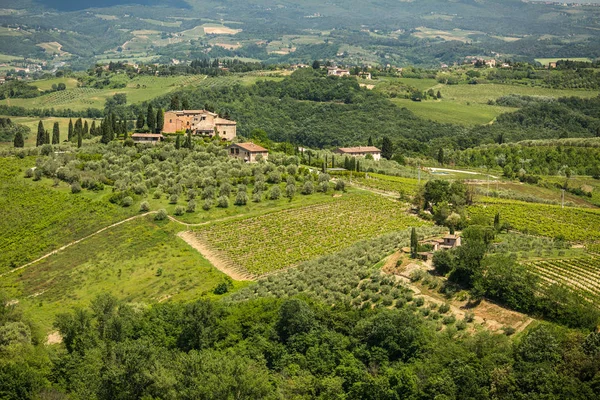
[{"x": 251, "y": 147}]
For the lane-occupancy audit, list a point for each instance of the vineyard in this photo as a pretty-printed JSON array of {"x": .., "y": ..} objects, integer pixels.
[
  {"x": 575, "y": 224},
  {"x": 407, "y": 186},
  {"x": 280, "y": 239},
  {"x": 582, "y": 274}
]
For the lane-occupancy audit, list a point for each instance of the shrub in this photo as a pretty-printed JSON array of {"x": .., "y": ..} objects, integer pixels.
[
  {"x": 323, "y": 187},
  {"x": 241, "y": 199},
  {"x": 435, "y": 315},
  {"x": 257, "y": 197},
  {"x": 191, "y": 207},
  {"x": 275, "y": 193},
  {"x": 307, "y": 188},
  {"x": 29, "y": 172},
  {"x": 161, "y": 215},
  {"x": 419, "y": 301},
  {"x": 340, "y": 185},
  {"x": 207, "y": 204},
  {"x": 179, "y": 210},
  {"x": 449, "y": 319},
  {"x": 157, "y": 194},
  {"x": 408, "y": 296},
  {"x": 508, "y": 330},
  {"x": 444, "y": 308},
  {"x": 469, "y": 316},
  {"x": 75, "y": 187},
  {"x": 461, "y": 325},
  {"x": 127, "y": 201},
  {"x": 173, "y": 199},
  {"x": 223, "y": 202},
  {"x": 144, "y": 206}
]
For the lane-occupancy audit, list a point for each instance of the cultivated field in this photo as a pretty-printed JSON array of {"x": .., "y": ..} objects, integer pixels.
[
  {"x": 278, "y": 240},
  {"x": 581, "y": 274},
  {"x": 141, "y": 261},
  {"x": 574, "y": 224}
]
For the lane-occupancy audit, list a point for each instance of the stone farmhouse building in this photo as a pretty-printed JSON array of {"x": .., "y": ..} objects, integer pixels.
[
  {"x": 199, "y": 122},
  {"x": 247, "y": 151},
  {"x": 360, "y": 151},
  {"x": 335, "y": 71}
]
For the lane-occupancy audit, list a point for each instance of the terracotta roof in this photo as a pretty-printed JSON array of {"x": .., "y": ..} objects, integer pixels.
[
  {"x": 223, "y": 121},
  {"x": 359, "y": 149},
  {"x": 193, "y": 112},
  {"x": 251, "y": 147},
  {"x": 150, "y": 135}
]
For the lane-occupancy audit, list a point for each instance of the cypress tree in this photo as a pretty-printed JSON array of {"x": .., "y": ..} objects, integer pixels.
[
  {"x": 387, "y": 148},
  {"x": 497, "y": 222},
  {"x": 160, "y": 120},
  {"x": 70, "y": 133},
  {"x": 86, "y": 129},
  {"x": 41, "y": 132},
  {"x": 414, "y": 243},
  {"x": 370, "y": 142},
  {"x": 357, "y": 166},
  {"x": 151, "y": 118},
  {"x": 139, "y": 124},
  {"x": 113, "y": 123},
  {"x": 93, "y": 129},
  {"x": 55, "y": 134},
  {"x": 19, "y": 141},
  {"x": 79, "y": 139},
  {"x": 175, "y": 105},
  {"x": 440, "y": 157},
  {"x": 178, "y": 142},
  {"x": 185, "y": 104},
  {"x": 46, "y": 137},
  {"x": 77, "y": 130},
  {"x": 125, "y": 135}
]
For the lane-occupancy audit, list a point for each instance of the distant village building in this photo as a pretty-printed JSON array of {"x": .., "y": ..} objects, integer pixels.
[
  {"x": 199, "y": 122},
  {"x": 365, "y": 75},
  {"x": 360, "y": 151},
  {"x": 450, "y": 242},
  {"x": 147, "y": 138},
  {"x": 247, "y": 151},
  {"x": 552, "y": 65},
  {"x": 335, "y": 71}
]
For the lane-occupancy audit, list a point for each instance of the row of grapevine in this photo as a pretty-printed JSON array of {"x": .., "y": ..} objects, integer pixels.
[{"x": 280, "y": 239}]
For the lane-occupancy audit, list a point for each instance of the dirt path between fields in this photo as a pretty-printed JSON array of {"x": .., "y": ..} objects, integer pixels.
[
  {"x": 75, "y": 242},
  {"x": 219, "y": 262}
]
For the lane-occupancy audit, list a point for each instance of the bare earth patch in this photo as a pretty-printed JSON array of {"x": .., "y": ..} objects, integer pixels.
[
  {"x": 53, "y": 338},
  {"x": 219, "y": 261},
  {"x": 220, "y": 30}
]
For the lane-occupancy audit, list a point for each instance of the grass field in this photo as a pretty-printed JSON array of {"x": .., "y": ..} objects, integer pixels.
[
  {"x": 574, "y": 224},
  {"x": 546, "y": 61},
  {"x": 468, "y": 104},
  {"x": 38, "y": 219},
  {"x": 287, "y": 237},
  {"x": 32, "y": 123},
  {"x": 141, "y": 261},
  {"x": 86, "y": 97}
]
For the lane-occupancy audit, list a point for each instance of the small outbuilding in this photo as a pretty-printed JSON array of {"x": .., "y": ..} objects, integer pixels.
[
  {"x": 147, "y": 138},
  {"x": 247, "y": 151}
]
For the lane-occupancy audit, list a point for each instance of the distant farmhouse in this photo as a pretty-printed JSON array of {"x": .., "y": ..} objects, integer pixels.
[
  {"x": 335, "y": 71},
  {"x": 199, "y": 122},
  {"x": 360, "y": 151},
  {"x": 152, "y": 138},
  {"x": 247, "y": 151}
]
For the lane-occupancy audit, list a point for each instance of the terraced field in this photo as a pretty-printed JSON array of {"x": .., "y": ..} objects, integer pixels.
[
  {"x": 284, "y": 238},
  {"x": 581, "y": 274}
]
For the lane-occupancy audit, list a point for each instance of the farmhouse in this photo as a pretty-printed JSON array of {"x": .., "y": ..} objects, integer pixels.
[
  {"x": 450, "y": 242},
  {"x": 247, "y": 151},
  {"x": 147, "y": 138},
  {"x": 199, "y": 122},
  {"x": 335, "y": 71},
  {"x": 360, "y": 151}
]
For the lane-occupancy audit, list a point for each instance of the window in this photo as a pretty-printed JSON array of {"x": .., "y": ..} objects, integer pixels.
[
  {"x": 170, "y": 121},
  {"x": 232, "y": 151}
]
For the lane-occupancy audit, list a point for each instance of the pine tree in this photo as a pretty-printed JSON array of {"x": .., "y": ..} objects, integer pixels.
[
  {"x": 41, "y": 132},
  {"x": 139, "y": 124},
  {"x": 19, "y": 140},
  {"x": 387, "y": 148},
  {"x": 160, "y": 120},
  {"x": 414, "y": 243},
  {"x": 178, "y": 142},
  {"x": 70, "y": 133},
  {"x": 55, "y": 134},
  {"x": 151, "y": 118}
]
